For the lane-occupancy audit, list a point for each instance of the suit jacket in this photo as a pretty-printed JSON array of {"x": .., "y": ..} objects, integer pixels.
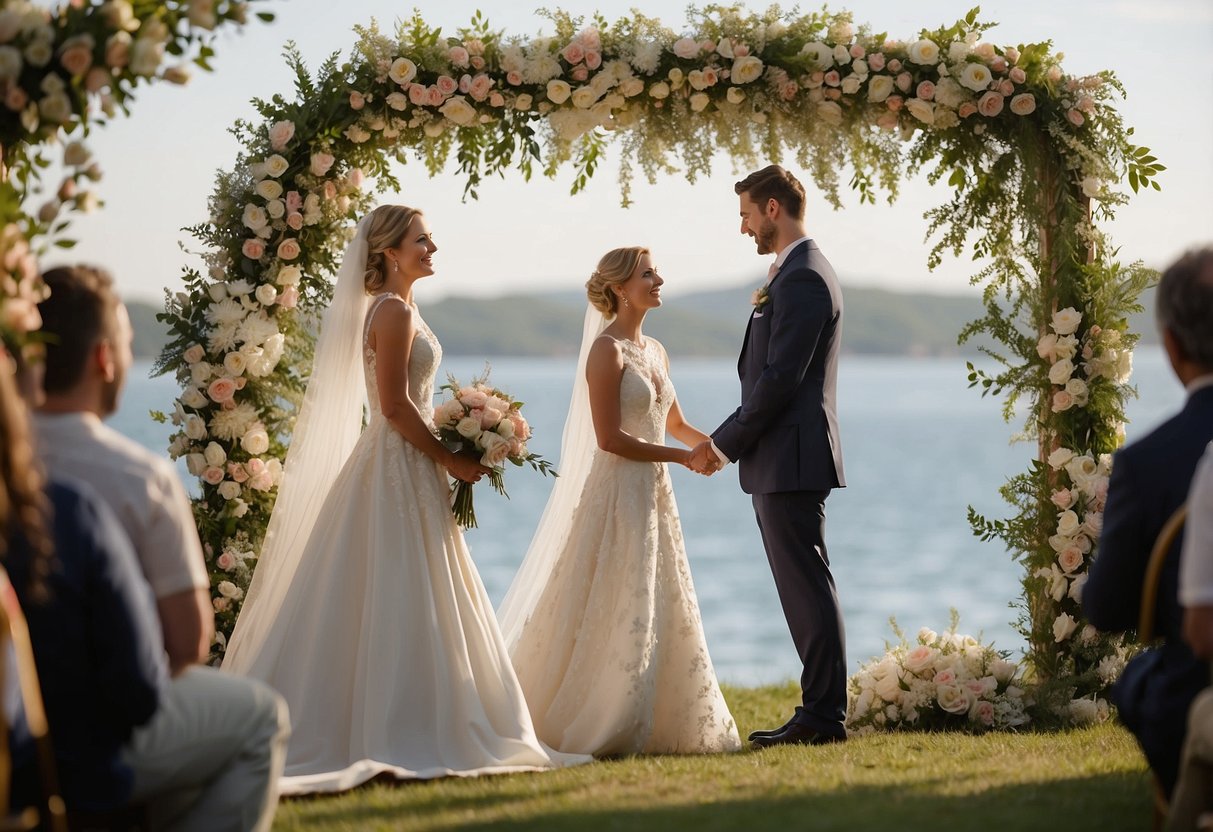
[{"x": 784, "y": 437}]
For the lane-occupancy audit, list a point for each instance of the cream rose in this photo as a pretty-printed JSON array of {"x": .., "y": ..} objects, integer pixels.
[
  {"x": 1069, "y": 559},
  {"x": 699, "y": 102},
  {"x": 194, "y": 354},
  {"x": 924, "y": 111},
  {"x": 288, "y": 275},
  {"x": 880, "y": 87},
  {"x": 496, "y": 449},
  {"x": 288, "y": 249},
  {"x": 746, "y": 70},
  {"x": 458, "y": 111},
  {"x": 403, "y": 71},
  {"x": 229, "y": 590},
  {"x": 888, "y": 687},
  {"x": 1066, "y": 321},
  {"x": 559, "y": 91},
  {"x": 829, "y": 112},
  {"x": 1060, "y": 458},
  {"x": 1067, "y": 524},
  {"x": 468, "y": 427},
  {"x": 924, "y": 52},
  {"x": 1061, "y": 371},
  {"x": 686, "y": 48},
  {"x": 1063, "y": 627},
  {"x": 195, "y": 428},
  {"x": 192, "y": 397},
  {"x": 267, "y": 294},
  {"x": 976, "y": 76},
  {"x": 281, "y": 132},
  {"x": 228, "y": 490},
  {"x": 215, "y": 455},
  {"x": 275, "y": 166},
  {"x": 735, "y": 95},
  {"x": 255, "y": 440},
  {"x": 952, "y": 698}
]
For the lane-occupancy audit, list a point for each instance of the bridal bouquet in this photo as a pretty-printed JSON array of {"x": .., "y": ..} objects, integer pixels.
[
  {"x": 481, "y": 421},
  {"x": 943, "y": 681}
]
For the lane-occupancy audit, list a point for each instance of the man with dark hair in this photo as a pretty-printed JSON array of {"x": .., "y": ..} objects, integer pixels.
[
  {"x": 785, "y": 439},
  {"x": 1150, "y": 481},
  {"x": 211, "y": 755}
]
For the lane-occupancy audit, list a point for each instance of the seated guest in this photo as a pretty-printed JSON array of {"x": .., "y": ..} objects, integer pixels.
[
  {"x": 1193, "y": 795},
  {"x": 1150, "y": 480},
  {"x": 218, "y": 739},
  {"x": 91, "y": 618}
]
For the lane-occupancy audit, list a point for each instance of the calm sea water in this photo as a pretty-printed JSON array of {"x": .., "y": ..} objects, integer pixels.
[{"x": 919, "y": 448}]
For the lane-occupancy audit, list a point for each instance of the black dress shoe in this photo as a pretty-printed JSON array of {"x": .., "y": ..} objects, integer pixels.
[
  {"x": 773, "y": 731},
  {"x": 797, "y": 734}
]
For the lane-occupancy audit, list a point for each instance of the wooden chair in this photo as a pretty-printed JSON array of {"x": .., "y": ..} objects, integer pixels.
[
  {"x": 1145, "y": 624},
  {"x": 14, "y": 633}
]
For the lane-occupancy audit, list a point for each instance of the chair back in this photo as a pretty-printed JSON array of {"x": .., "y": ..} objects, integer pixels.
[
  {"x": 1158, "y": 559},
  {"x": 14, "y": 635}
]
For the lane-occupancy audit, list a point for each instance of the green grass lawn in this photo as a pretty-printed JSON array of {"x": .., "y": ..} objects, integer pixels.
[{"x": 1092, "y": 778}]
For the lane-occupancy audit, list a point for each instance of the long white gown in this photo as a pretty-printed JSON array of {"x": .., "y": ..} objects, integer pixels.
[
  {"x": 386, "y": 647},
  {"x": 613, "y": 658}
]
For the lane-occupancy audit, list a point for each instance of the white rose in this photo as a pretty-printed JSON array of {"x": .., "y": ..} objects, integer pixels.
[
  {"x": 214, "y": 454},
  {"x": 924, "y": 52},
  {"x": 1066, "y": 321},
  {"x": 746, "y": 70},
  {"x": 953, "y": 699},
  {"x": 851, "y": 84},
  {"x": 1091, "y": 186},
  {"x": 235, "y": 363},
  {"x": 229, "y": 490},
  {"x": 195, "y": 427},
  {"x": 686, "y": 48},
  {"x": 239, "y": 508},
  {"x": 196, "y": 463},
  {"x": 735, "y": 95},
  {"x": 1082, "y": 470},
  {"x": 256, "y": 441},
  {"x": 505, "y": 428},
  {"x": 468, "y": 428},
  {"x": 1060, "y": 372},
  {"x": 1060, "y": 458},
  {"x": 255, "y": 217},
  {"x": 496, "y": 449},
  {"x": 276, "y": 208},
  {"x": 1067, "y": 524},
  {"x": 229, "y": 590},
  {"x": 269, "y": 189},
  {"x": 275, "y": 166},
  {"x": 584, "y": 97},
  {"x": 192, "y": 397},
  {"x": 818, "y": 54},
  {"x": 558, "y": 91},
  {"x": 842, "y": 55},
  {"x": 659, "y": 90},
  {"x": 1067, "y": 346},
  {"x": 699, "y": 102},
  {"x": 888, "y": 687},
  {"x": 1003, "y": 670},
  {"x": 976, "y": 77},
  {"x": 924, "y": 111},
  {"x": 403, "y": 71},
  {"x": 1077, "y": 388},
  {"x": 267, "y": 294},
  {"x": 1063, "y": 627},
  {"x": 289, "y": 275},
  {"x": 880, "y": 87},
  {"x": 458, "y": 111}
]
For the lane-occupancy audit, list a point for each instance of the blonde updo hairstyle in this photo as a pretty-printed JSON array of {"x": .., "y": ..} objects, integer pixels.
[
  {"x": 614, "y": 269},
  {"x": 389, "y": 224}
]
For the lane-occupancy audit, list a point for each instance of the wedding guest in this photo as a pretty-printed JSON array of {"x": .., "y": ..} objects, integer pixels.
[
  {"x": 1193, "y": 796},
  {"x": 91, "y": 618},
  {"x": 1150, "y": 480},
  {"x": 212, "y": 754}
]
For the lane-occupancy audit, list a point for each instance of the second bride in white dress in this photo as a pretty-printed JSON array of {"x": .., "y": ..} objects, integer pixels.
[
  {"x": 602, "y": 620},
  {"x": 366, "y": 611}
]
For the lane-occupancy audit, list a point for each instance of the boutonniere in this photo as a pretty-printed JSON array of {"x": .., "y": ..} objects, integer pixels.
[{"x": 760, "y": 298}]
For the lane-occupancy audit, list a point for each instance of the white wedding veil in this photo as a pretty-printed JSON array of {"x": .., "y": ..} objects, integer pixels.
[
  {"x": 577, "y": 446},
  {"x": 328, "y": 426}
]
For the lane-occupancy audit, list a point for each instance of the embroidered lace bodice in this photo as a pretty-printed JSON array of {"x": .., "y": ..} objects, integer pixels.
[
  {"x": 645, "y": 391},
  {"x": 424, "y": 358}
]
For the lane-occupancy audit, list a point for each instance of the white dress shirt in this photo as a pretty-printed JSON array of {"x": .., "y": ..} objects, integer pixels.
[
  {"x": 1196, "y": 563},
  {"x": 143, "y": 490}
]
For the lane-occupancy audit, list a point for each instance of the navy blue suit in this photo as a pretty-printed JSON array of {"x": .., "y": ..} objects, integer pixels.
[
  {"x": 1150, "y": 480},
  {"x": 784, "y": 439}
]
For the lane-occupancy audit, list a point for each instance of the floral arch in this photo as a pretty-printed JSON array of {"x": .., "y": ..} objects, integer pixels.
[{"x": 1033, "y": 157}]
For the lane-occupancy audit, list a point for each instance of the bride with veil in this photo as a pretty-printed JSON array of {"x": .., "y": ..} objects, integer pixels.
[
  {"x": 366, "y": 611},
  {"x": 601, "y": 620}
]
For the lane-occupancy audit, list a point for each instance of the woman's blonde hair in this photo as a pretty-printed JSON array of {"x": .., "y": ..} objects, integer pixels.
[
  {"x": 389, "y": 223},
  {"x": 615, "y": 267}
]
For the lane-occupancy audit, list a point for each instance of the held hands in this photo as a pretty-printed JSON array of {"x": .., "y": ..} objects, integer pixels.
[
  {"x": 465, "y": 468},
  {"x": 703, "y": 460}
]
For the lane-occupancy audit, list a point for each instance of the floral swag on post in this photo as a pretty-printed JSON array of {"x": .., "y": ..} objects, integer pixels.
[{"x": 1032, "y": 157}]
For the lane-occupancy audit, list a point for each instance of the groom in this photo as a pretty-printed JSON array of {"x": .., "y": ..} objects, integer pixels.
[{"x": 784, "y": 438}]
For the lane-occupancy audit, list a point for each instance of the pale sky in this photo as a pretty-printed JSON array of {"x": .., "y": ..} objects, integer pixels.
[{"x": 160, "y": 163}]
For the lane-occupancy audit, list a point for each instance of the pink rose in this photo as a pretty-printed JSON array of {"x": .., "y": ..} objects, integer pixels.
[
  {"x": 473, "y": 398},
  {"x": 118, "y": 50},
  {"x": 434, "y": 96},
  {"x": 1069, "y": 559},
  {"x": 1063, "y": 498},
  {"x": 356, "y": 177},
  {"x": 294, "y": 221},
  {"x": 894, "y": 102},
  {"x": 983, "y": 712},
  {"x": 903, "y": 81},
  {"x": 236, "y": 471},
  {"x": 230, "y": 404},
  {"x": 221, "y": 390},
  {"x": 1012, "y": 54},
  {"x": 580, "y": 73},
  {"x": 593, "y": 59},
  {"x": 1006, "y": 87},
  {"x": 212, "y": 475},
  {"x": 1086, "y": 104},
  {"x": 417, "y": 94},
  {"x": 999, "y": 64},
  {"x": 990, "y": 104},
  {"x": 740, "y": 50},
  {"x": 289, "y": 297},
  {"x": 480, "y": 87},
  {"x": 945, "y": 677},
  {"x": 329, "y": 190},
  {"x": 458, "y": 56},
  {"x": 76, "y": 60},
  {"x": 497, "y": 100},
  {"x": 226, "y": 562},
  {"x": 514, "y": 78},
  {"x": 253, "y": 248},
  {"x": 894, "y": 65},
  {"x": 321, "y": 162},
  {"x": 832, "y": 94},
  {"x": 925, "y": 91},
  {"x": 574, "y": 53},
  {"x": 261, "y": 482},
  {"x": 708, "y": 46},
  {"x": 876, "y": 61},
  {"x": 522, "y": 430},
  {"x": 832, "y": 78},
  {"x": 194, "y": 354},
  {"x": 97, "y": 79},
  {"x": 281, "y": 133},
  {"x": 966, "y": 109},
  {"x": 710, "y": 78},
  {"x": 288, "y": 249},
  {"x": 1023, "y": 104},
  {"x": 591, "y": 39},
  {"x": 887, "y": 121},
  {"x": 1018, "y": 76},
  {"x": 1062, "y": 401},
  {"x": 791, "y": 88},
  {"x": 447, "y": 85},
  {"x": 357, "y": 100},
  {"x": 255, "y": 466},
  {"x": 857, "y": 51},
  {"x": 465, "y": 84},
  {"x": 293, "y": 201},
  {"x": 1076, "y": 118},
  {"x": 477, "y": 62}
]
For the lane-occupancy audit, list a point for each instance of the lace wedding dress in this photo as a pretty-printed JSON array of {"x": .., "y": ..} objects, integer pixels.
[
  {"x": 612, "y": 658},
  {"x": 385, "y": 646}
]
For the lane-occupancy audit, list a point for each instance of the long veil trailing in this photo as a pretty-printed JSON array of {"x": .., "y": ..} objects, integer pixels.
[
  {"x": 576, "y": 452},
  {"x": 326, "y": 430}
]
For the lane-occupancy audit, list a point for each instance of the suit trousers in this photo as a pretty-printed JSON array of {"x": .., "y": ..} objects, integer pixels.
[
  {"x": 793, "y": 532},
  {"x": 211, "y": 756}
]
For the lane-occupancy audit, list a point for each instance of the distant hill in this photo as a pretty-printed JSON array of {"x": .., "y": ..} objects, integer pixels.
[{"x": 708, "y": 323}]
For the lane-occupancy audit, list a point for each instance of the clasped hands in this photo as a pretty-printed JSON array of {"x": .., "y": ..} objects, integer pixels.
[{"x": 703, "y": 460}]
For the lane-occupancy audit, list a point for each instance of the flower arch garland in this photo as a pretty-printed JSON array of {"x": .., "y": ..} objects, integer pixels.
[{"x": 1032, "y": 157}]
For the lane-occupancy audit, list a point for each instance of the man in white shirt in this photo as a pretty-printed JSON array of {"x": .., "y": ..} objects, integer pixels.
[{"x": 211, "y": 756}]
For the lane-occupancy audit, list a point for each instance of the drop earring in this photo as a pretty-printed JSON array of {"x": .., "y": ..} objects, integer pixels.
[
  {"x": 395, "y": 266},
  {"x": 626, "y": 302}
]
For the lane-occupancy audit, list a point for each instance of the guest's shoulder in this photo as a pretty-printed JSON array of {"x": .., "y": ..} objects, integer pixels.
[{"x": 125, "y": 454}]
